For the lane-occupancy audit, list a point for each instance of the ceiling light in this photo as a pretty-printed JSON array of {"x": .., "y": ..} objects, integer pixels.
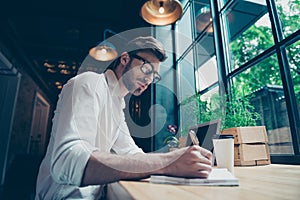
[
  {"x": 62, "y": 65},
  {"x": 104, "y": 51},
  {"x": 65, "y": 71},
  {"x": 51, "y": 70},
  {"x": 57, "y": 83},
  {"x": 161, "y": 9},
  {"x": 48, "y": 65},
  {"x": 203, "y": 20},
  {"x": 161, "y": 12}
]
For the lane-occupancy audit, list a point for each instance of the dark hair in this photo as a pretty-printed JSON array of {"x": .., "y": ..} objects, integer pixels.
[{"x": 142, "y": 44}]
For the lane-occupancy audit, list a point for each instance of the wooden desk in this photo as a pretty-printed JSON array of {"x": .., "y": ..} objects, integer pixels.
[{"x": 260, "y": 182}]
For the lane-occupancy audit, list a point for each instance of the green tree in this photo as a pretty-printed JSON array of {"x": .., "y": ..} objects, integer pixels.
[
  {"x": 234, "y": 113},
  {"x": 257, "y": 39}
]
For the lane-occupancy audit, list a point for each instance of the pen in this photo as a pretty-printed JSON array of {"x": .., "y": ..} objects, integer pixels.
[
  {"x": 194, "y": 137},
  {"x": 195, "y": 141}
]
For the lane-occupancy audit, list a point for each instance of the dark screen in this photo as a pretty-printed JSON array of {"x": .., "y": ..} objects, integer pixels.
[{"x": 205, "y": 133}]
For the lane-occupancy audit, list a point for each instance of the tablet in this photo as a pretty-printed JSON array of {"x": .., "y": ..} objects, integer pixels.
[{"x": 205, "y": 133}]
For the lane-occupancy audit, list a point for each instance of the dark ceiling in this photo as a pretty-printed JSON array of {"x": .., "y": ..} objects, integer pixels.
[{"x": 62, "y": 32}]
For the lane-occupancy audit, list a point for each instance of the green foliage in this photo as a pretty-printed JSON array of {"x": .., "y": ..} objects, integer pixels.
[
  {"x": 211, "y": 109},
  {"x": 259, "y": 38},
  {"x": 233, "y": 112},
  {"x": 249, "y": 44},
  {"x": 171, "y": 141},
  {"x": 239, "y": 112}
]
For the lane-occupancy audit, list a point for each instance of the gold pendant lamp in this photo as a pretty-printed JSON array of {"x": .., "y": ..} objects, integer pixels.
[
  {"x": 104, "y": 51},
  {"x": 161, "y": 12}
]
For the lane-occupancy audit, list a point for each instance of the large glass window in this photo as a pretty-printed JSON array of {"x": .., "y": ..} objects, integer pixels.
[
  {"x": 209, "y": 106},
  {"x": 202, "y": 17},
  {"x": 249, "y": 31},
  {"x": 289, "y": 12},
  {"x": 184, "y": 33},
  {"x": 293, "y": 53},
  {"x": 222, "y": 3},
  {"x": 262, "y": 84},
  {"x": 253, "y": 70},
  {"x": 188, "y": 115},
  {"x": 207, "y": 74},
  {"x": 186, "y": 77},
  {"x": 186, "y": 83},
  {"x": 200, "y": 108},
  {"x": 198, "y": 66},
  {"x": 205, "y": 60}
]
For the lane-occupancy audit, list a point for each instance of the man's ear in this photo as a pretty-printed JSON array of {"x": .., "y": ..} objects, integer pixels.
[{"x": 124, "y": 60}]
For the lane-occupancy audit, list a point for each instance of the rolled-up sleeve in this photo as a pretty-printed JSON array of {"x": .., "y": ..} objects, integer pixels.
[{"x": 74, "y": 139}]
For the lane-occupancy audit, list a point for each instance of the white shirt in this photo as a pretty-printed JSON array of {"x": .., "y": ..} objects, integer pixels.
[{"x": 89, "y": 116}]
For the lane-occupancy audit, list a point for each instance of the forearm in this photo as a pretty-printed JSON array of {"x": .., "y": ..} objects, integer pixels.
[
  {"x": 105, "y": 167},
  {"x": 186, "y": 162}
]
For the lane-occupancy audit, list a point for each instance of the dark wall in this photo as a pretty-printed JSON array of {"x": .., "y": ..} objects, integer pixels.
[
  {"x": 18, "y": 168},
  {"x": 23, "y": 115},
  {"x": 22, "y": 167}
]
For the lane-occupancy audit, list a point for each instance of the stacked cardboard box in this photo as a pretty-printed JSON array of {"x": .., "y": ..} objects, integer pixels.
[{"x": 250, "y": 145}]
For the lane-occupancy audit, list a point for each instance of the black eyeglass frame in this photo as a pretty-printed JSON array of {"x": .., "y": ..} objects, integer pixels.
[{"x": 156, "y": 76}]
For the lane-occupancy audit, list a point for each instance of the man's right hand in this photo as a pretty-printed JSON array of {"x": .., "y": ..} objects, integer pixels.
[{"x": 191, "y": 161}]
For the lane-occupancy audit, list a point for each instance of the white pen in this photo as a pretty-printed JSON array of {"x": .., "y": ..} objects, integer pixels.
[{"x": 194, "y": 137}]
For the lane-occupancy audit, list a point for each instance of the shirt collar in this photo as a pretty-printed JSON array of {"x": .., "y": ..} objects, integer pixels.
[{"x": 113, "y": 83}]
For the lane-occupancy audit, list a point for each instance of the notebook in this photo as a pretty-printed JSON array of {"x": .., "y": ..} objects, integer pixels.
[
  {"x": 218, "y": 177},
  {"x": 205, "y": 133}
]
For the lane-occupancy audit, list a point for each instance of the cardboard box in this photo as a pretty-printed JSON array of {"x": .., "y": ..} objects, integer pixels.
[
  {"x": 250, "y": 145},
  {"x": 250, "y": 152},
  {"x": 251, "y": 163},
  {"x": 249, "y": 134}
]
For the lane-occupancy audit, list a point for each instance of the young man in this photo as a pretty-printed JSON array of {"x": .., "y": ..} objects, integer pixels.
[{"x": 90, "y": 143}]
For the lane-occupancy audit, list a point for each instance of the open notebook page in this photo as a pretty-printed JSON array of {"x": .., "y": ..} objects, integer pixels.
[{"x": 218, "y": 177}]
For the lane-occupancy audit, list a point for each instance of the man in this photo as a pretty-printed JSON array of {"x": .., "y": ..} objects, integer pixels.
[{"x": 90, "y": 143}]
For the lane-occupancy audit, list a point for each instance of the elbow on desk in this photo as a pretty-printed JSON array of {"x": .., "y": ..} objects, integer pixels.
[
  {"x": 59, "y": 175},
  {"x": 67, "y": 168}
]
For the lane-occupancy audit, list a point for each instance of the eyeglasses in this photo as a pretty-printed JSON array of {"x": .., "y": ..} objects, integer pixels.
[{"x": 147, "y": 68}]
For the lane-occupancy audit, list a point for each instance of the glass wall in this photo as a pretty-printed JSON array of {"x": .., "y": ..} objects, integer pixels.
[
  {"x": 288, "y": 12},
  {"x": 202, "y": 17},
  {"x": 257, "y": 65},
  {"x": 263, "y": 84},
  {"x": 259, "y": 42},
  {"x": 293, "y": 53},
  {"x": 248, "y": 29},
  {"x": 186, "y": 77},
  {"x": 184, "y": 36},
  {"x": 196, "y": 62}
]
